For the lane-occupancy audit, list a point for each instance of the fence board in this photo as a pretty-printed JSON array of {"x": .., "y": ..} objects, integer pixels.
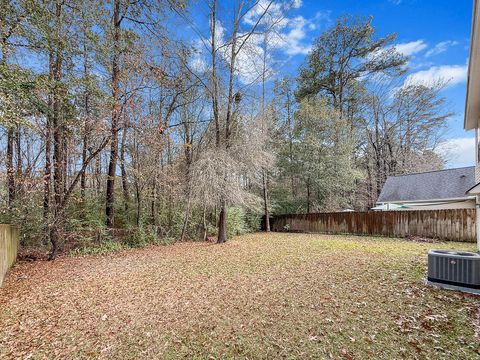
[
  {"x": 449, "y": 225},
  {"x": 9, "y": 242}
]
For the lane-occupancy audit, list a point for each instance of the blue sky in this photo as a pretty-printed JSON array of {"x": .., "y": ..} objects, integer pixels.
[
  {"x": 435, "y": 34},
  {"x": 438, "y": 35}
]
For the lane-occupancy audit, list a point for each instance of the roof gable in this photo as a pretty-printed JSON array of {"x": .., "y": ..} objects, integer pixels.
[{"x": 432, "y": 185}]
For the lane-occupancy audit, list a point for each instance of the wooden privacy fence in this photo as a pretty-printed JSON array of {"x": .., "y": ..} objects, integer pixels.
[
  {"x": 452, "y": 225},
  {"x": 9, "y": 242}
]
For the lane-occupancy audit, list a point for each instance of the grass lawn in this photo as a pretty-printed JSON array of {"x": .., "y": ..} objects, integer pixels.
[{"x": 257, "y": 296}]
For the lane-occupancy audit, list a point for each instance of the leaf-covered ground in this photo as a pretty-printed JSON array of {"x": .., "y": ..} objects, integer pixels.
[{"x": 257, "y": 296}]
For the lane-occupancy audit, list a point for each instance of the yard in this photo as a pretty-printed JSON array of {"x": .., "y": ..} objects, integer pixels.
[{"x": 257, "y": 296}]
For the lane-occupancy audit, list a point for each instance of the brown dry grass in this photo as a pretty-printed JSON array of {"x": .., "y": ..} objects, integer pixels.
[{"x": 258, "y": 296}]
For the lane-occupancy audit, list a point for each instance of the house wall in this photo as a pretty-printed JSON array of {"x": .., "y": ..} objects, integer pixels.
[
  {"x": 469, "y": 204},
  {"x": 477, "y": 156}
]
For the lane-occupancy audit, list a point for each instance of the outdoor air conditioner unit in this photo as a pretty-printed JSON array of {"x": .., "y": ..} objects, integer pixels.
[{"x": 456, "y": 270}]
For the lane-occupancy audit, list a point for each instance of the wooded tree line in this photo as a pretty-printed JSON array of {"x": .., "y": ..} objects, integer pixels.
[
  {"x": 112, "y": 120},
  {"x": 350, "y": 121}
]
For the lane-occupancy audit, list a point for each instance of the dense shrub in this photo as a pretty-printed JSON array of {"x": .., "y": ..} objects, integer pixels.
[
  {"x": 139, "y": 236},
  {"x": 85, "y": 231}
]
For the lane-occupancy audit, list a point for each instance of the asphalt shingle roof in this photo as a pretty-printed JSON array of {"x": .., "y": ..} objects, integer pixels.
[{"x": 432, "y": 185}]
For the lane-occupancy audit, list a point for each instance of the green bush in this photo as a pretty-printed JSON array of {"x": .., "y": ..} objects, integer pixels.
[
  {"x": 140, "y": 236},
  {"x": 102, "y": 248},
  {"x": 135, "y": 237},
  {"x": 86, "y": 232},
  {"x": 236, "y": 224},
  {"x": 85, "y": 215},
  {"x": 172, "y": 223},
  {"x": 253, "y": 220},
  {"x": 28, "y": 218}
]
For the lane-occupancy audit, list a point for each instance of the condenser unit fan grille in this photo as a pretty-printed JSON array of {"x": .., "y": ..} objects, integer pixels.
[{"x": 455, "y": 268}]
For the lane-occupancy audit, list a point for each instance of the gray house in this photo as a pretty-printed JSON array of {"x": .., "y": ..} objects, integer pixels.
[{"x": 432, "y": 190}]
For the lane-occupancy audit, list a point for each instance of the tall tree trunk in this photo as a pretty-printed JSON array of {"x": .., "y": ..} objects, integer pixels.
[
  {"x": 126, "y": 196},
  {"x": 137, "y": 175},
  {"x": 265, "y": 202},
  {"x": 65, "y": 158},
  {"x": 18, "y": 150},
  {"x": 170, "y": 185},
  {"x": 48, "y": 150},
  {"x": 98, "y": 174},
  {"x": 153, "y": 205},
  {"x": 188, "y": 162},
  {"x": 215, "y": 92},
  {"x": 115, "y": 113},
  {"x": 58, "y": 144},
  {"x": 265, "y": 174},
  {"x": 222, "y": 223},
  {"x": 222, "y": 220},
  {"x": 290, "y": 144},
  {"x": 86, "y": 125},
  {"x": 83, "y": 180},
  {"x": 10, "y": 142},
  {"x": 370, "y": 188},
  {"x": 308, "y": 196},
  {"x": 139, "y": 203},
  {"x": 10, "y": 168},
  {"x": 204, "y": 234},
  {"x": 48, "y": 170}
]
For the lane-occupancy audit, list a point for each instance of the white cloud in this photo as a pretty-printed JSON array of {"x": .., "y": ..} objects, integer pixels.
[
  {"x": 270, "y": 11},
  {"x": 287, "y": 35},
  {"x": 219, "y": 33},
  {"x": 452, "y": 74},
  {"x": 441, "y": 47},
  {"x": 249, "y": 63},
  {"x": 411, "y": 48},
  {"x": 290, "y": 40},
  {"x": 276, "y": 10},
  {"x": 198, "y": 63},
  {"x": 297, "y": 4},
  {"x": 458, "y": 152}
]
